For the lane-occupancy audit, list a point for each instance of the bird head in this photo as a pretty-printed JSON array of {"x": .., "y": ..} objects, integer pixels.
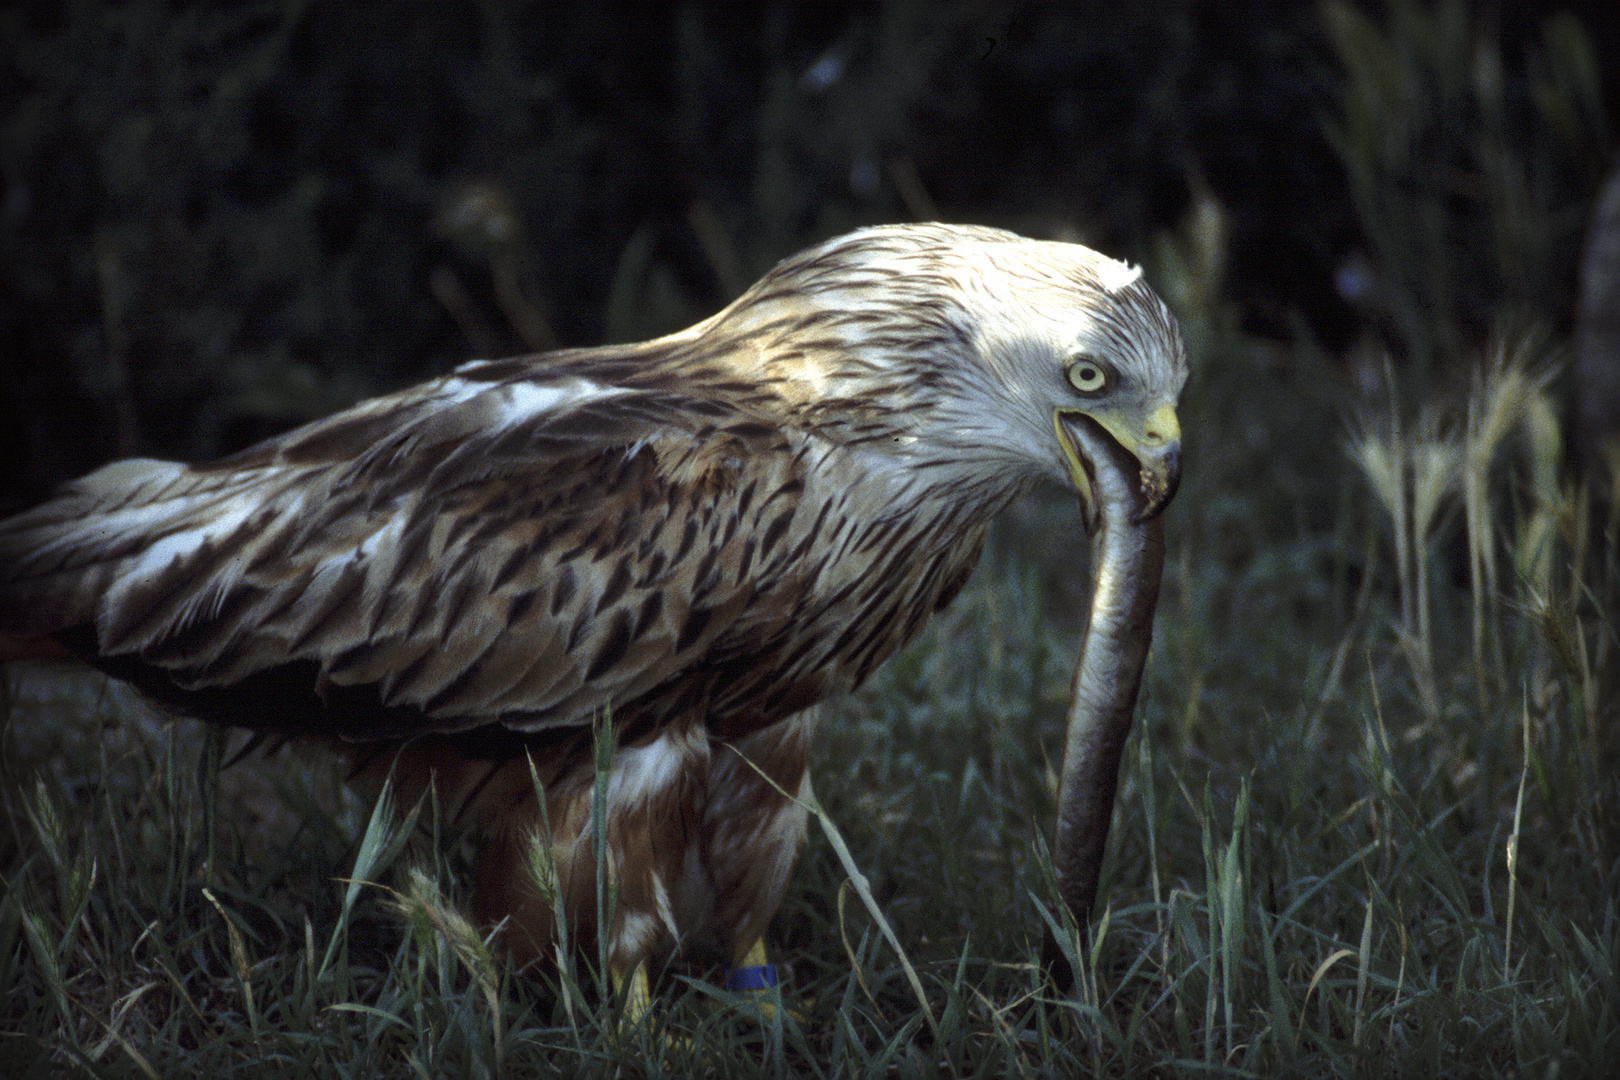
[
  {"x": 984, "y": 359},
  {"x": 1077, "y": 343},
  {"x": 1144, "y": 424}
]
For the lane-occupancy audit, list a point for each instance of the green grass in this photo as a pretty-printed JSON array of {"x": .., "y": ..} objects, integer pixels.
[{"x": 1311, "y": 862}]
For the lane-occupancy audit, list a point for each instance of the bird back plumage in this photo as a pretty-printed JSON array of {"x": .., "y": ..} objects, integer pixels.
[{"x": 516, "y": 544}]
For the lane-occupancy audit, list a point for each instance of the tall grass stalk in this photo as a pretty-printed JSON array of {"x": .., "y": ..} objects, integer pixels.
[{"x": 1412, "y": 470}]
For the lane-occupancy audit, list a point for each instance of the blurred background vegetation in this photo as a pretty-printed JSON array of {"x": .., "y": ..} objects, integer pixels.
[{"x": 218, "y": 221}]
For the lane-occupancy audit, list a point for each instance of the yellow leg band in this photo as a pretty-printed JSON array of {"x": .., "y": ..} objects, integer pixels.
[{"x": 638, "y": 998}]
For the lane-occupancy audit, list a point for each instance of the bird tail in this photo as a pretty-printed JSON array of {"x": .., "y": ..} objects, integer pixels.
[{"x": 61, "y": 560}]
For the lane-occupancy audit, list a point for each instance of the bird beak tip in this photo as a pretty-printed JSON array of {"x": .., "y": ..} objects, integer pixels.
[
  {"x": 1161, "y": 475},
  {"x": 1158, "y": 460}
]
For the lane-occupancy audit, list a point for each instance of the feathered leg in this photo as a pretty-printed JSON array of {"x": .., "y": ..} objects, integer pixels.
[{"x": 754, "y": 828}]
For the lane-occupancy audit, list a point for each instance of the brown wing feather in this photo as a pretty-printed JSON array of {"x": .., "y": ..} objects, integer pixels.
[{"x": 466, "y": 568}]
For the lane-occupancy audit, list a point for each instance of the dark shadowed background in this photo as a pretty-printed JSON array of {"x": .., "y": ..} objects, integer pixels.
[{"x": 218, "y": 221}]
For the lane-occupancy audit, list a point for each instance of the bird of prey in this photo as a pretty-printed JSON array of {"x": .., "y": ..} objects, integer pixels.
[{"x": 697, "y": 537}]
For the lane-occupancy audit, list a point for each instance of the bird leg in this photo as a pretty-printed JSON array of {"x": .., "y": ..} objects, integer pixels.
[
  {"x": 637, "y": 994},
  {"x": 754, "y": 971},
  {"x": 754, "y": 974}
]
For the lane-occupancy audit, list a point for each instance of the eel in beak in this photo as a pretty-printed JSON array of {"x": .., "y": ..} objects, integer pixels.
[{"x": 1124, "y": 492}]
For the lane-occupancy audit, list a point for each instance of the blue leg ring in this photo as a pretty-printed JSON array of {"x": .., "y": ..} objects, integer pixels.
[{"x": 758, "y": 977}]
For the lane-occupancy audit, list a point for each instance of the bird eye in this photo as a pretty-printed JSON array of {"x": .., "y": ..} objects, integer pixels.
[{"x": 1088, "y": 376}]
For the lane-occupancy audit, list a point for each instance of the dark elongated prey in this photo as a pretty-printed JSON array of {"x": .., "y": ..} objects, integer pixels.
[{"x": 1127, "y": 563}]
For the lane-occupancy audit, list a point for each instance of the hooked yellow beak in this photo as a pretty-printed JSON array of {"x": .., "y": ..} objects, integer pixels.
[{"x": 1154, "y": 441}]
